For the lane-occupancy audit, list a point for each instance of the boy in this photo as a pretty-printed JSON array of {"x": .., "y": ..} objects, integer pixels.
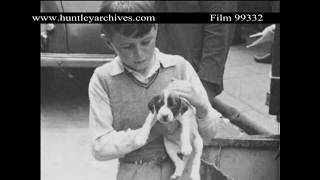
[{"x": 120, "y": 90}]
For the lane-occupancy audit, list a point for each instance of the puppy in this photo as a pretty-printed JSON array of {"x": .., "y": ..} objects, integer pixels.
[{"x": 184, "y": 145}]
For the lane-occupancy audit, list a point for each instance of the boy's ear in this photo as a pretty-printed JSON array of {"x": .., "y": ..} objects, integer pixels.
[
  {"x": 156, "y": 27},
  {"x": 106, "y": 40}
]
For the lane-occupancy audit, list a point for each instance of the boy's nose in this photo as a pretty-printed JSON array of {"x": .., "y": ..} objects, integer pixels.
[{"x": 138, "y": 53}]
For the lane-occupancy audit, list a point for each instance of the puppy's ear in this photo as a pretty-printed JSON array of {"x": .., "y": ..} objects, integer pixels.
[
  {"x": 152, "y": 103},
  {"x": 183, "y": 106}
]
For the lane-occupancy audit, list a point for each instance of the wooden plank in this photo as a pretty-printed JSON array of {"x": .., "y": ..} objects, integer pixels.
[
  {"x": 74, "y": 60},
  {"x": 265, "y": 142}
]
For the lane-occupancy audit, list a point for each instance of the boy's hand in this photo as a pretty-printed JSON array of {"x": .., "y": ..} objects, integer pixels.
[
  {"x": 266, "y": 36},
  {"x": 187, "y": 90}
]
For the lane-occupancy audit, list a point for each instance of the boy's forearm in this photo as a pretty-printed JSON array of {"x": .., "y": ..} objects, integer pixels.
[
  {"x": 115, "y": 144},
  {"x": 208, "y": 125},
  {"x": 118, "y": 144},
  {"x": 202, "y": 111}
]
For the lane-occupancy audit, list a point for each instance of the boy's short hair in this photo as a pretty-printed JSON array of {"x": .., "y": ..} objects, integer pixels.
[{"x": 128, "y": 30}]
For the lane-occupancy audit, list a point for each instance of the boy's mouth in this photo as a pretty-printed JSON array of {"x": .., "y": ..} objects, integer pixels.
[{"x": 139, "y": 62}]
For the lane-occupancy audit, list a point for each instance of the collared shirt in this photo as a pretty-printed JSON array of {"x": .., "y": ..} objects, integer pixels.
[{"x": 115, "y": 144}]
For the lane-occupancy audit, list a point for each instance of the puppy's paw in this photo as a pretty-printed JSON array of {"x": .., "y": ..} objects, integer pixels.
[
  {"x": 186, "y": 149},
  {"x": 175, "y": 176}
]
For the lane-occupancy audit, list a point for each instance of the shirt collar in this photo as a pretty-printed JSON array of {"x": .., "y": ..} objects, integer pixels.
[
  {"x": 139, "y": 76},
  {"x": 118, "y": 68}
]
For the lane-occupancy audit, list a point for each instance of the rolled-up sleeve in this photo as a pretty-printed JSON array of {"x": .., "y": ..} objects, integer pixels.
[
  {"x": 100, "y": 115},
  {"x": 107, "y": 143},
  {"x": 208, "y": 124}
]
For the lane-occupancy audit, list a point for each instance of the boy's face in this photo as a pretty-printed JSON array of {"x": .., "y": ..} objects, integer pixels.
[{"x": 136, "y": 53}]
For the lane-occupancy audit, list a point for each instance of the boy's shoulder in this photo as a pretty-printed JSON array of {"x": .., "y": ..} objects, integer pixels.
[{"x": 109, "y": 69}]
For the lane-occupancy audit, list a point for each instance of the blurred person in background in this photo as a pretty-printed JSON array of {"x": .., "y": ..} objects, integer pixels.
[
  {"x": 271, "y": 34},
  {"x": 205, "y": 46}
]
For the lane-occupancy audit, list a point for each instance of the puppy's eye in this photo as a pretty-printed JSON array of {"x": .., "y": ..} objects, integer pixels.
[
  {"x": 175, "y": 105},
  {"x": 170, "y": 101},
  {"x": 155, "y": 103},
  {"x": 159, "y": 102}
]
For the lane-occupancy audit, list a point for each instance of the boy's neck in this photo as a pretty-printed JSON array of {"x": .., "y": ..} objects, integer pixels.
[{"x": 146, "y": 71}]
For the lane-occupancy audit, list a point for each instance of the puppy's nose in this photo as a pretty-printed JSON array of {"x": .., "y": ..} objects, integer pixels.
[{"x": 165, "y": 117}]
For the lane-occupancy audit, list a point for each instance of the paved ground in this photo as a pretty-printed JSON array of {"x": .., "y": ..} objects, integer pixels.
[
  {"x": 246, "y": 84},
  {"x": 65, "y": 153}
]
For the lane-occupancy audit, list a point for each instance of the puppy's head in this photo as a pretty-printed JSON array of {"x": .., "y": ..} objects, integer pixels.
[{"x": 168, "y": 106}]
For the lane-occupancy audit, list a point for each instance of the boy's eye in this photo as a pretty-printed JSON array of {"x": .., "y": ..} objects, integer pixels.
[
  {"x": 126, "y": 47},
  {"x": 146, "y": 42}
]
